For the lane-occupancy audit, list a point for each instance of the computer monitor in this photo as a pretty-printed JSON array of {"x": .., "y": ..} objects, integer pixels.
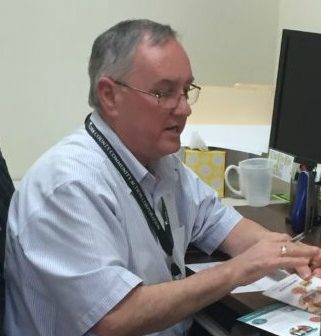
[{"x": 296, "y": 121}]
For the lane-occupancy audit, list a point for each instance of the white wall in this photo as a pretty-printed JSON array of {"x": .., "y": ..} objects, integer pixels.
[
  {"x": 45, "y": 46},
  {"x": 298, "y": 15}
]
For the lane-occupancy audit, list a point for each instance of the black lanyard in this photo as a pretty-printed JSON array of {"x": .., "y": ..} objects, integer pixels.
[{"x": 164, "y": 236}]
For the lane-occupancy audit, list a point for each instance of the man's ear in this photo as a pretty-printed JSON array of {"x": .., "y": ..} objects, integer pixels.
[{"x": 106, "y": 93}]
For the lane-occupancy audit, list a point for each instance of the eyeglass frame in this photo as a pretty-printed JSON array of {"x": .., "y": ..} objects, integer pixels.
[{"x": 159, "y": 95}]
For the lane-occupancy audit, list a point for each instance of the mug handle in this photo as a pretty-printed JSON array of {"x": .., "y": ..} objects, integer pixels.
[{"x": 226, "y": 176}]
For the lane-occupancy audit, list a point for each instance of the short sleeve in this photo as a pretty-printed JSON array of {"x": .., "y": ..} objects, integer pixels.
[{"x": 76, "y": 245}]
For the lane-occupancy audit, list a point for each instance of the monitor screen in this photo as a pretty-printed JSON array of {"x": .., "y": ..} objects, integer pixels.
[{"x": 296, "y": 120}]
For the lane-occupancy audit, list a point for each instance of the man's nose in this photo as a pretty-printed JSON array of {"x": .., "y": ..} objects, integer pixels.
[{"x": 183, "y": 107}]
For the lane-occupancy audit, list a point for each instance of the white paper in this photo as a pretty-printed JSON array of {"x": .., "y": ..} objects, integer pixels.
[
  {"x": 284, "y": 320},
  {"x": 257, "y": 286},
  {"x": 303, "y": 294},
  {"x": 202, "y": 266},
  {"x": 245, "y": 138},
  {"x": 283, "y": 167}
]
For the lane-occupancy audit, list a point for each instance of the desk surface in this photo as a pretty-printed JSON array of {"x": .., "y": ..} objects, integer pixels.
[{"x": 272, "y": 217}]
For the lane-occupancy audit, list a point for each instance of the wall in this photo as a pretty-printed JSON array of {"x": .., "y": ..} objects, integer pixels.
[
  {"x": 236, "y": 105},
  {"x": 298, "y": 15},
  {"x": 45, "y": 47}
]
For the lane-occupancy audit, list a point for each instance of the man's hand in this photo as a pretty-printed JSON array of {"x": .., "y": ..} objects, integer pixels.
[
  {"x": 315, "y": 265},
  {"x": 275, "y": 251}
]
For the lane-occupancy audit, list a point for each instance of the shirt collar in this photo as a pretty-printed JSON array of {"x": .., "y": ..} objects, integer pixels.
[
  {"x": 136, "y": 168},
  {"x": 161, "y": 168}
]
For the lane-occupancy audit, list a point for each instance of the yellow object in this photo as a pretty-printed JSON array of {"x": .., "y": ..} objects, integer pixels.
[{"x": 209, "y": 166}]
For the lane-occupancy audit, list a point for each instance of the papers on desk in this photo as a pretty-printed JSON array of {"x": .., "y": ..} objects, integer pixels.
[
  {"x": 298, "y": 314},
  {"x": 284, "y": 320},
  {"x": 303, "y": 294},
  {"x": 257, "y": 286}
]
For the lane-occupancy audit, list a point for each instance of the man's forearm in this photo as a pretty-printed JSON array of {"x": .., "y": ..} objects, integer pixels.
[
  {"x": 155, "y": 307},
  {"x": 245, "y": 234}
]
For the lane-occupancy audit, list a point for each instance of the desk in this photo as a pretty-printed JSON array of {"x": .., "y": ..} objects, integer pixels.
[{"x": 272, "y": 217}]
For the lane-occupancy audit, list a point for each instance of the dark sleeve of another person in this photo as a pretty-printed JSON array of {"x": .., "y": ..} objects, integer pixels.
[{"x": 6, "y": 191}]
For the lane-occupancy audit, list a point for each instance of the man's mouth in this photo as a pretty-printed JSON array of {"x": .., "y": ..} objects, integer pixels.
[{"x": 174, "y": 129}]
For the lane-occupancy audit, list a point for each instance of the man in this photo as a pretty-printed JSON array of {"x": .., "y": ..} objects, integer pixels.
[{"x": 100, "y": 224}]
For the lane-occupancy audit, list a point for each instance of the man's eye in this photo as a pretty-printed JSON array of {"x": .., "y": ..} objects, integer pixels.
[
  {"x": 164, "y": 93},
  {"x": 187, "y": 90}
]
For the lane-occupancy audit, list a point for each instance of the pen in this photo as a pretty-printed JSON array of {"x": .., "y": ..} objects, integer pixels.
[{"x": 298, "y": 237}]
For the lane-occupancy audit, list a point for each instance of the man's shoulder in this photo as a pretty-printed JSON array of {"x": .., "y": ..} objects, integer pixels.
[{"x": 73, "y": 158}]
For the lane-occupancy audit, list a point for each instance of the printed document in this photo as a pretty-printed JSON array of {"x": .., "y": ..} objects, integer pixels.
[
  {"x": 298, "y": 314},
  {"x": 284, "y": 320},
  {"x": 303, "y": 294}
]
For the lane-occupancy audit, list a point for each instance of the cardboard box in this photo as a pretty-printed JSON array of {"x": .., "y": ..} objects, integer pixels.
[{"x": 209, "y": 166}]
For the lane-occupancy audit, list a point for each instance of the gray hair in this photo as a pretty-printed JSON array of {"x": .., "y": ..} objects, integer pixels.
[{"x": 113, "y": 51}]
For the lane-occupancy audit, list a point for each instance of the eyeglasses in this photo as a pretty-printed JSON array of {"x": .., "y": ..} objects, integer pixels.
[{"x": 170, "y": 99}]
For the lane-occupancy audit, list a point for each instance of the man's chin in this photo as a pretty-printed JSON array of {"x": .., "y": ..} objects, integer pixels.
[{"x": 172, "y": 148}]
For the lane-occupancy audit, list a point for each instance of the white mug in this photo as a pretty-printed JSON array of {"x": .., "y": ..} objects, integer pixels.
[{"x": 255, "y": 180}]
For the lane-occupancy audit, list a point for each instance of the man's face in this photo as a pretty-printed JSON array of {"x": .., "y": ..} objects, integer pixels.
[{"x": 149, "y": 130}]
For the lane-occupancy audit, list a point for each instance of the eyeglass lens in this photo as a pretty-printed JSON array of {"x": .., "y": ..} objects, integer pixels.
[{"x": 170, "y": 102}]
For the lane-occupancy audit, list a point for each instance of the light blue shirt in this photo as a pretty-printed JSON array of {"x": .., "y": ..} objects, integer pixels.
[{"x": 78, "y": 243}]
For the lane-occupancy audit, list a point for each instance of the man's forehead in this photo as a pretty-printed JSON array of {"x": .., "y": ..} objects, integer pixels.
[
  {"x": 172, "y": 82},
  {"x": 168, "y": 61}
]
